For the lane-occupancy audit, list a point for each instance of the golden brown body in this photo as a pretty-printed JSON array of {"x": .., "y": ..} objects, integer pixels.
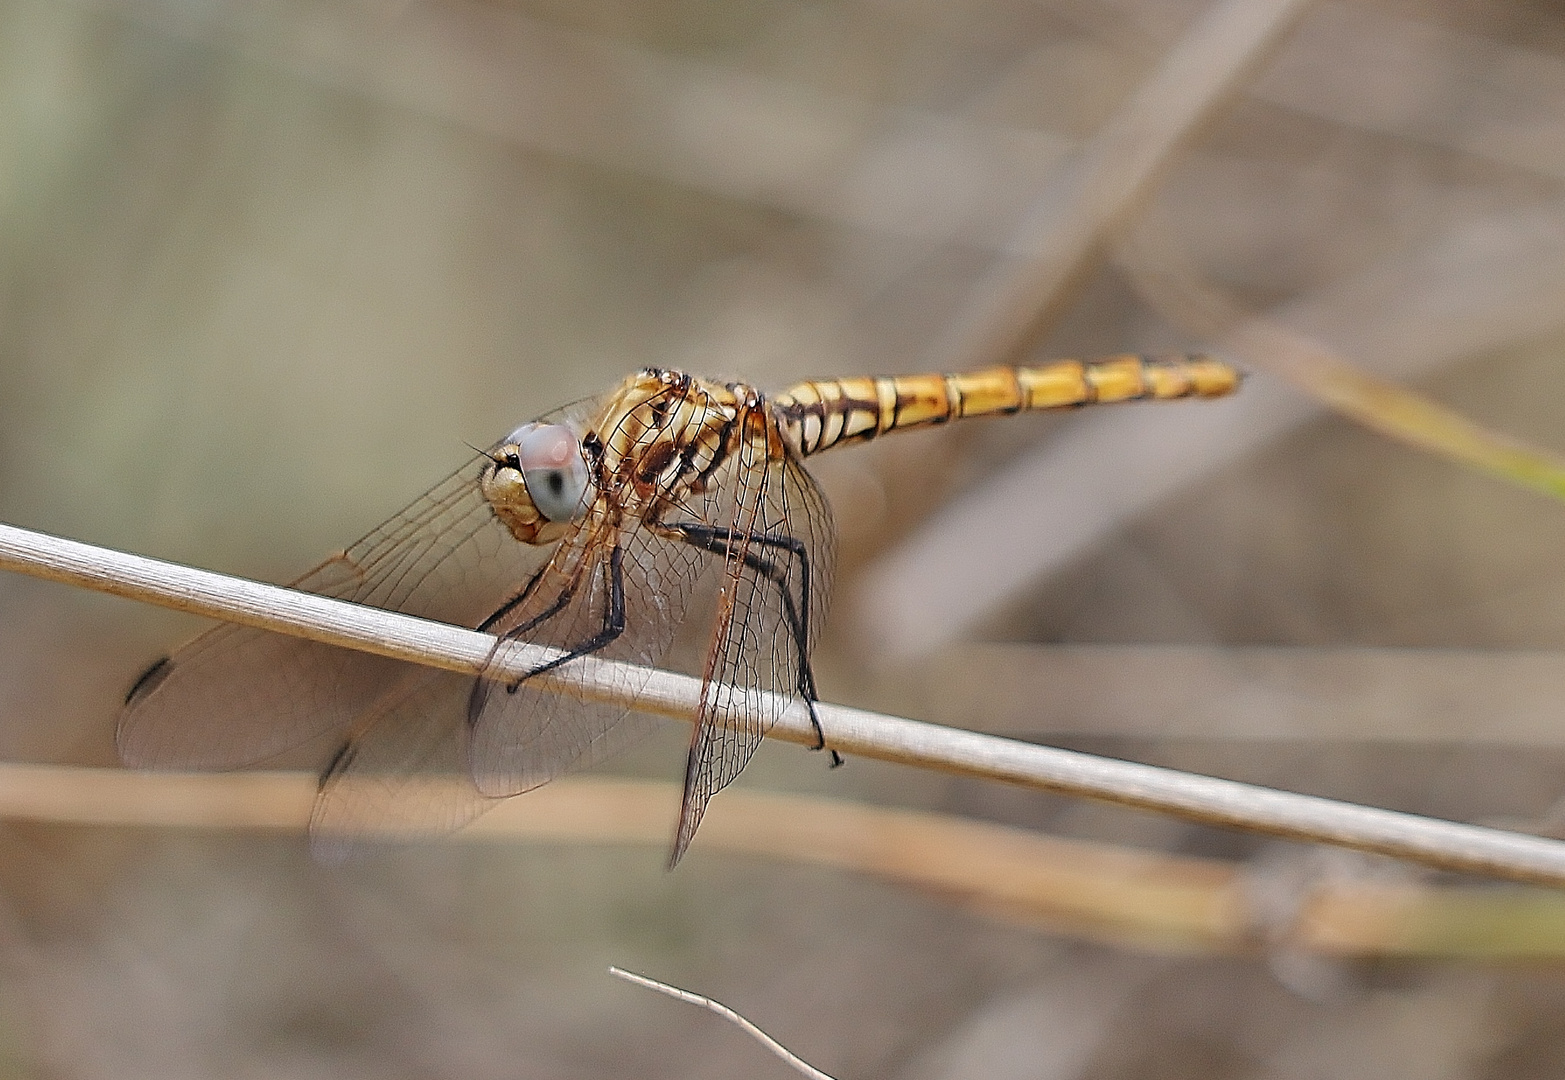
[
  {"x": 662, "y": 436},
  {"x": 587, "y": 535},
  {"x": 820, "y": 414}
]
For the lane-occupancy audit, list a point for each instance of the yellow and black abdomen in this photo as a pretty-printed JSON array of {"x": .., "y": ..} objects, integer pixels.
[{"x": 819, "y": 414}]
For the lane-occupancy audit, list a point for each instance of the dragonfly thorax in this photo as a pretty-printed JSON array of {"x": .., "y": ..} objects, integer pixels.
[{"x": 537, "y": 482}]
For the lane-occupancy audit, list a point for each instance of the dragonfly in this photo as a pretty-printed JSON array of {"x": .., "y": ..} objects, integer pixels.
[{"x": 594, "y": 531}]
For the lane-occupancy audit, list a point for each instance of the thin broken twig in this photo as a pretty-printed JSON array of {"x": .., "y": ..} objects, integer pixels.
[{"x": 726, "y": 1013}]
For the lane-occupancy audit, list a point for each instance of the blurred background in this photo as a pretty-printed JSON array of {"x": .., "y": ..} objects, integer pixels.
[{"x": 267, "y": 267}]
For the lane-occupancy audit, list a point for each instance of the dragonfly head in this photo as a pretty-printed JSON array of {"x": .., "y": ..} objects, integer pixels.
[{"x": 537, "y": 482}]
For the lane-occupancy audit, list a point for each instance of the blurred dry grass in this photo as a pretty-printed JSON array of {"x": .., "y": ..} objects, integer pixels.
[{"x": 266, "y": 266}]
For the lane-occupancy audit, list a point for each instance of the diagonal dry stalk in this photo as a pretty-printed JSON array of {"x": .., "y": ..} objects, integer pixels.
[
  {"x": 1493, "y": 280},
  {"x": 1445, "y": 844},
  {"x": 1165, "y": 275},
  {"x": 794, "y": 1061}
]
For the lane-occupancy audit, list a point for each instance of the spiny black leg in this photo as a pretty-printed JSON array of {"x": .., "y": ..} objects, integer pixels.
[
  {"x": 720, "y": 541},
  {"x": 613, "y": 627},
  {"x": 613, "y": 619},
  {"x": 527, "y": 590},
  {"x": 522, "y": 628}
]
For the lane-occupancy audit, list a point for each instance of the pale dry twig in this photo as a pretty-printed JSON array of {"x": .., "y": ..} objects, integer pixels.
[{"x": 794, "y": 1060}]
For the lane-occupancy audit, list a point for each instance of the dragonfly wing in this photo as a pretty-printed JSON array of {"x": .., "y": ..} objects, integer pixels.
[
  {"x": 614, "y": 595},
  {"x": 402, "y": 773},
  {"x": 777, "y": 545},
  {"x": 238, "y": 695}
]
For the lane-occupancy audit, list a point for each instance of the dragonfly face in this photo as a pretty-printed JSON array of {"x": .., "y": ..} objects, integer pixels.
[{"x": 537, "y": 482}]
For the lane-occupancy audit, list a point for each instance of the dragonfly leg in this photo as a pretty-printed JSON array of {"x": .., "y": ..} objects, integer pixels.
[
  {"x": 613, "y": 620},
  {"x": 522, "y": 597},
  {"x": 721, "y": 541},
  {"x": 613, "y": 627}
]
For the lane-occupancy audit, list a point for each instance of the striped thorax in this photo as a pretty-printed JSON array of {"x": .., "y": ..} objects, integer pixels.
[{"x": 659, "y": 436}]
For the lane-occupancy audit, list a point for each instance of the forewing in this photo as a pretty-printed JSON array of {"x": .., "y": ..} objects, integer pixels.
[
  {"x": 236, "y": 695},
  {"x": 777, "y": 570}
]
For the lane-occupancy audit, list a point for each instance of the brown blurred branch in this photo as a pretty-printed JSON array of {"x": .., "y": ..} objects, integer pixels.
[{"x": 1101, "y": 892}]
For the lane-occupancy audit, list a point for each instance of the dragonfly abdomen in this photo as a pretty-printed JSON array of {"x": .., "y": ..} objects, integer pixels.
[{"x": 818, "y": 415}]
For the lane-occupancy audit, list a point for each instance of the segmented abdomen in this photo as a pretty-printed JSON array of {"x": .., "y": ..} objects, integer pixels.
[{"x": 818, "y": 415}]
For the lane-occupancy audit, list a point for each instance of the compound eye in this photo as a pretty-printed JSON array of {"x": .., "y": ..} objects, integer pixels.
[{"x": 553, "y": 469}]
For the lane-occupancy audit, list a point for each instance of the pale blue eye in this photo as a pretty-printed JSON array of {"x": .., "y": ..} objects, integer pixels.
[{"x": 553, "y": 469}]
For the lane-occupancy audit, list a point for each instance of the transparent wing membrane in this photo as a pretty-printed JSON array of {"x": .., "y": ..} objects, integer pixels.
[
  {"x": 772, "y": 529},
  {"x": 237, "y": 696},
  {"x": 616, "y": 590},
  {"x": 402, "y": 773},
  {"x": 523, "y": 736}
]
